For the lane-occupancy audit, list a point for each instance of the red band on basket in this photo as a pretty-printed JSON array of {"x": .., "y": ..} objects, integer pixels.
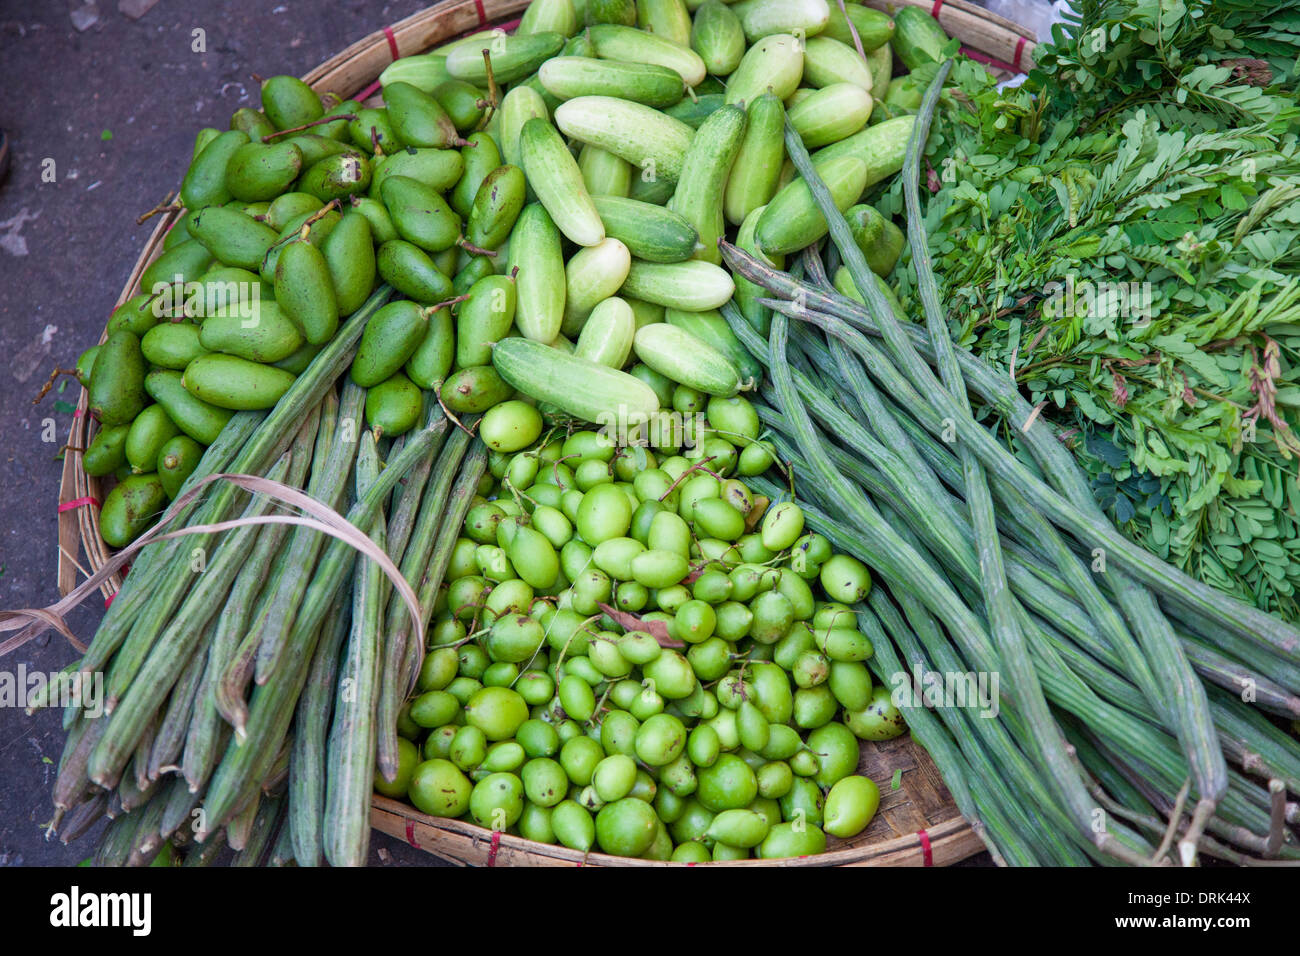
[
  {"x": 108, "y": 601},
  {"x": 987, "y": 60},
  {"x": 934, "y": 11},
  {"x": 926, "y": 855},
  {"x": 1020, "y": 48},
  {"x": 77, "y": 503},
  {"x": 482, "y": 13},
  {"x": 392, "y": 43},
  {"x": 410, "y": 834},
  {"x": 76, "y": 413},
  {"x": 496, "y": 845}
]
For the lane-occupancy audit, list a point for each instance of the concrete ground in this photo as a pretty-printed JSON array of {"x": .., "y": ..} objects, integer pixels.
[{"x": 101, "y": 124}]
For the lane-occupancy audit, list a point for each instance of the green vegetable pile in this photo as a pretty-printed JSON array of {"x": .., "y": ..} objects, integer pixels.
[
  {"x": 629, "y": 649},
  {"x": 1121, "y": 234}
]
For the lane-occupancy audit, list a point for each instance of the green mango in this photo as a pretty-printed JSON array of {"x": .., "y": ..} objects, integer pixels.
[
  {"x": 86, "y": 365},
  {"x": 439, "y": 169},
  {"x": 315, "y": 147},
  {"x": 235, "y": 239},
  {"x": 474, "y": 389},
  {"x": 259, "y": 172},
  {"x": 319, "y": 227},
  {"x": 349, "y": 256},
  {"x": 229, "y": 381},
  {"x": 304, "y": 293},
  {"x": 409, "y": 270},
  {"x": 478, "y": 267},
  {"x": 286, "y": 208},
  {"x": 227, "y": 290},
  {"x": 149, "y": 432},
  {"x": 381, "y": 224},
  {"x": 130, "y": 508},
  {"x": 253, "y": 122},
  {"x": 176, "y": 460},
  {"x": 390, "y": 338},
  {"x": 464, "y": 103},
  {"x": 106, "y": 452},
  {"x": 268, "y": 336},
  {"x": 394, "y": 406},
  {"x": 182, "y": 263},
  {"x": 420, "y": 214},
  {"x": 297, "y": 362},
  {"x": 789, "y": 840},
  {"x": 417, "y": 118},
  {"x": 117, "y": 388},
  {"x": 136, "y": 315},
  {"x": 177, "y": 232},
  {"x": 289, "y": 102},
  {"x": 431, "y": 361},
  {"x": 496, "y": 207},
  {"x": 479, "y": 156},
  {"x": 336, "y": 176},
  {"x": 338, "y": 130},
  {"x": 484, "y": 319},
  {"x": 200, "y": 420},
  {"x": 172, "y": 345},
  {"x": 205, "y": 182},
  {"x": 201, "y": 140},
  {"x": 373, "y": 127}
]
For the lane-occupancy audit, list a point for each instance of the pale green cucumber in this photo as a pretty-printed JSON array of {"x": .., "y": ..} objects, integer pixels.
[
  {"x": 567, "y": 77},
  {"x": 718, "y": 37},
  {"x": 555, "y": 177},
  {"x": 607, "y": 336},
  {"x": 424, "y": 71},
  {"x": 549, "y": 16},
  {"x": 882, "y": 147},
  {"x": 592, "y": 275},
  {"x": 757, "y": 168},
  {"x": 712, "y": 329},
  {"x": 748, "y": 293},
  {"x": 628, "y": 44},
  {"x": 665, "y": 18},
  {"x": 827, "y": 61},
  {"x": 536, "y": 252},
  {"x": 577, "y": 386},
  {"x": 873, "y": 27},
  {"x": 675, "y": 353},
  {"x": 655, "y": 144},
  {"x": 517, "y": 107},
  {"x": 703, "y": 181},
  {"x": 763, "y": 18},
  {"x": 774, "y": 63},
  {"x": 692, "y": 286},
  {"x": 831, "y": 114},
  {"x": 604, "y": 174},
  {"x": 792, "y": 220},
  {"x": 513, "y": 57}
]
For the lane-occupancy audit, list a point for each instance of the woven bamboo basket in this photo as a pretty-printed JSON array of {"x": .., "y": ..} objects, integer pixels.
[{"x": 918, "y": 823}]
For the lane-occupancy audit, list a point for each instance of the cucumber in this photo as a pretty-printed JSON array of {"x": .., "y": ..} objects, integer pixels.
[
  {"x": 603, "y": 173},
  {"x": 513, "y": 57},
  {"x": 774, "y": 63},
  {"x": 424, "y": 71},
  {"x": 651, "y": 141},
  {"x": 873, "y": 27},
  {"x": 918, "y": 38},
  {"x": 549, "y": 16},
  {"x": 675, "y": 353},
  {"x": 718, "y": 37},
  {"x": 692, "y": 286},
  {"x": 748, "y": 293},
  {"x": 607, "y": 336},
  {"x": 693, "y": 112},
  {"x": 627, "y": 44},
  {"x": 665, "y": 18},
  {"x": 827, "y": 61},
  {"x": 622, "y": 12},
  {"x": 762, "y": 18},
  {"x": 555, "y": 177},
  {"x": 712, "y": 329},
  {"x": 591, "y": 276},
  {"x": 535, "y": 250},
  {"x": 517, "y": 107},
  {"x": 578, "y": 386},
  {"x": 754, "y": 175},
  {"x": 703, "y": 181},
  {"x": 570, "y": 76},
  {"x": 792, "y": 220},
  {"x": 880, "y": 62},
  {"x": 830, "y": 114},
  {"x": 882, "y": 147}
]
